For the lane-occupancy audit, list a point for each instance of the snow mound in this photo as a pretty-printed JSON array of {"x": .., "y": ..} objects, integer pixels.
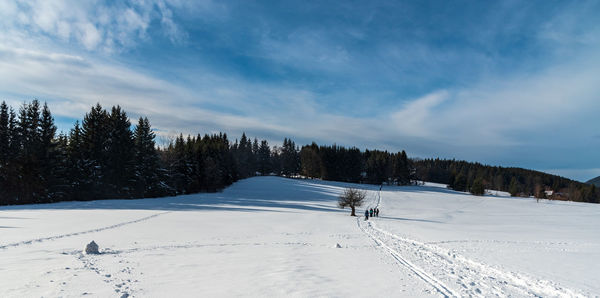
[{"x": 92, "y": 248}]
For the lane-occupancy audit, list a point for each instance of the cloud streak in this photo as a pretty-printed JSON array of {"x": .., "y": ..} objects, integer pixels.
[
  {"x": 96, "y": 25},
  {"x": 378, "y": 79}
]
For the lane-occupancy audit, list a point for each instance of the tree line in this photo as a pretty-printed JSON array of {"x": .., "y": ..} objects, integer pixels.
[
  {"x": 353, "y": 165},
  {"x": 99, "y": 158},
  {"x": 476, "y": 177},
  {"x": 104, "y": 157}
]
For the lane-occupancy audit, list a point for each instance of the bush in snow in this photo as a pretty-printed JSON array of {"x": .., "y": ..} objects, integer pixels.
[
  {"x": 352, "y": 197},
  {"x": 477, "y": 188}
]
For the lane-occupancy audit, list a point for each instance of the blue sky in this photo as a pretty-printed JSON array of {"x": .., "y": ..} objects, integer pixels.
[{"x": 512, "y": 83}]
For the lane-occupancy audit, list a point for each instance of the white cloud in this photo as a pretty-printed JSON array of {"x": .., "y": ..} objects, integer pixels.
[
  {"x": 494, "y": 113},
  {"x": 305, "y": 49},
  {"x": 89, "y": 35},
  {"x": 95, "y": 25},
  {"x": 478, "y": 120},
  {"x": 415, "y": 117},
  {"x": 172, "y": 30}
]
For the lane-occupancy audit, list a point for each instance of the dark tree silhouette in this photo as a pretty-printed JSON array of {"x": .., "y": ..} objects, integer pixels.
[
  {"x": 102, "y": 158},
  {"x": 352, "y": 197}
]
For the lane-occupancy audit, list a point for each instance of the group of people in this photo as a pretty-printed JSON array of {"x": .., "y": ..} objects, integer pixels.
[{"x": 371, "y": 212}]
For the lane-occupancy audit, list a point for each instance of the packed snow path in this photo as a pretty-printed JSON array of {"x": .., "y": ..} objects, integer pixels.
[
  {"x": 470, "y": 278},
  {"x": 269, "y": 236}
]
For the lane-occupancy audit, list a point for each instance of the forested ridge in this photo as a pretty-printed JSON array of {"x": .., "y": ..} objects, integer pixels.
[
  {"x": 475, "y": 177},
  {"x": 104, "y": 157}
]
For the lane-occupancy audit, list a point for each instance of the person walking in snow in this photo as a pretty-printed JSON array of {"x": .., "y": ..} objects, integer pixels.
[
  {"x": 371, "y": 212},
  {"x": 377, "y": 212},
  {"x": 366, "y": 214}
]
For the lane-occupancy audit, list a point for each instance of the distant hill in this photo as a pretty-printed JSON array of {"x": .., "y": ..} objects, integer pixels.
[
  {"x": 595, "y": 181},
  {"x": 461, "y": 175}
]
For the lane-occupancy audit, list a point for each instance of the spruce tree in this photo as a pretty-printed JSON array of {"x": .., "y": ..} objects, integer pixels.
[
  {"x": 310, "y": 160},
  {"x": 120, "y": 154},
  {"x": 478, "y": 188},
  {"x": 244, "y": 157},
  {"x": 254, "y": 157},
  {"x": 59, "y": 182},
  {"x": 179, "y": 166},
  {"x": 264, "y": 158},
  {"x": 353, "y": 165},
  {"x": 94, "y": 135},
  {"x": 5, "y": 139},
  {"x": 460, "y": 182},
  {"x": 78, "y": 170},
  {"x": 403, "y": 173},
  {"x": 12, "y": 168},
  {"x": 4, "y": 135},
  {"x": 289, "y": 158},
  {"x": 147, "y": 168},
  {"x": 28, "y": 169},
  {"x": 513, "y": 188},
  {"x": 49, "y": 159}
]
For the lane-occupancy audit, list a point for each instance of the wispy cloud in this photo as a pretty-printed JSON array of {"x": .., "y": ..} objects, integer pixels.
[
  {"x": 517, "y": 89},
  {"x": 95, "y": 25}
]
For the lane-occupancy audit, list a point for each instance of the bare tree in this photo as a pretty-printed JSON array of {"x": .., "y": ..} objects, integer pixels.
[{"x": 352, "y": 197}]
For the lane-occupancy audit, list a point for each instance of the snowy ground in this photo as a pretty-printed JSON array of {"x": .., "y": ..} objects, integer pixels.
[{"x": 270, "y": 236}]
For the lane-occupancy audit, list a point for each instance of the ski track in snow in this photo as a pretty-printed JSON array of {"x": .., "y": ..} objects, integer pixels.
[
  {"x": 471, "y": 277},
  {"x": 38, "y": 240},
  {"x": 438, "y": 285}
]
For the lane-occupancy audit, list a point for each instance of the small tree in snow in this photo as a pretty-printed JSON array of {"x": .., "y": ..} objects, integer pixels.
[
  {"x": 352, "y": 197},
  {"x": 478, "y": 188}
]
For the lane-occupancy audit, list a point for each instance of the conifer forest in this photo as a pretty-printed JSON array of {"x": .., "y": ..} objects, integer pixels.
[{"x": 104, "y": 157}]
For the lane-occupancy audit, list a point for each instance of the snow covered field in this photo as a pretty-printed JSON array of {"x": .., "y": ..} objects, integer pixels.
[{"x": 270, "y": 236}]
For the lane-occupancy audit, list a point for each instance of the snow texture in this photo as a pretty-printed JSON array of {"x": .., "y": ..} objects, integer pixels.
[{"x": 271, "y": 236}]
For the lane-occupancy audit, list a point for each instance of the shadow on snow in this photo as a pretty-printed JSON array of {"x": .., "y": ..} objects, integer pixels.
[{"x": 257, "y": 194}]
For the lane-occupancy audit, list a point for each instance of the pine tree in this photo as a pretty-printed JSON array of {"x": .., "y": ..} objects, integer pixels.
[
  {"x": 460, "y": 182},
  {"x": 12, "y": 167},
  {"x": 94, "y": 135},
  {"x": 243, "y": 157},
  {"x": 179, "y": 166},
  {"x": 254, "y": 157},
  {"x": 478, "y": 188},
  {"x": 4, "y": 135},
  {"x": 48, "y": 157},
  {"x": 353, "y": 165},
  {"x": 310, "y": 160},
  {"x": 120, "y": 154},
  {"x": 378, "y": 166},
  {"x": 264, "y": 158},
  {"x": 514, "y": 187},
  {"x": 5, "y": 139},
  {"x": 452, "y": 180},
  {"x": 78, "y": 170},
  {"x": 147, "y": 168},
  {"x": 289, "y": 158},
  {"x": 403, "y": 173},
  {"x": 59, "y": 182},
  {"x": 29, "y": 188}
]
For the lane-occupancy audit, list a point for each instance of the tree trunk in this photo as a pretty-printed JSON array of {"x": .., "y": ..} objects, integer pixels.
[{"x": 352, "y": 211}]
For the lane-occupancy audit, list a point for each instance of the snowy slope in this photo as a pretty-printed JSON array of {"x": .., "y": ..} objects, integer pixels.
[{"x": 270, "y": 236}]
